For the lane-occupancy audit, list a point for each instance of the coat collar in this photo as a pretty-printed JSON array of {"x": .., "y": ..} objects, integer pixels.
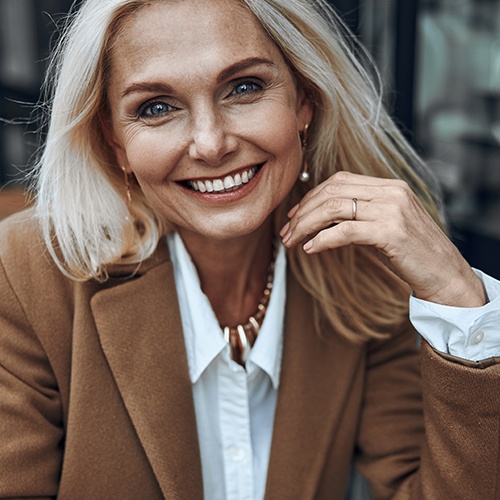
[
  {"x": 140, "y": 330},
  {"x": 139, "y": 327}
]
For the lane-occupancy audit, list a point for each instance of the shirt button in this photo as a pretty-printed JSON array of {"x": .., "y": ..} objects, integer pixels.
[
  {"x": 477, "y": 337},
  {"x": 237, "y": 454}
]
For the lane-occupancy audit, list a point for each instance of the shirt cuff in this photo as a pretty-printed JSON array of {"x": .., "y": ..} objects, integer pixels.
[{"x": 468, "y": 333}]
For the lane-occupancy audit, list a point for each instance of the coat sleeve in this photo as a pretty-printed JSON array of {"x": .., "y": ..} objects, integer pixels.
[
  {"x": 31, "y": 429},
  {"x": 461, "y": 451},
  {"x": 430, "y": 428}
]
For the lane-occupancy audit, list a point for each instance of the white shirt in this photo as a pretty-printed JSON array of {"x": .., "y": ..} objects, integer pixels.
[
  {"x": 468, "y": 333},
  {"x": 235, "y": 407}
]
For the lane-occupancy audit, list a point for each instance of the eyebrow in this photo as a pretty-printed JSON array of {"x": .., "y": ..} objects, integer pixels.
[
  {"x": 235, "y": 68},
  {"x": 225, "y": 74},
  {"x": 157, "y": 88}
]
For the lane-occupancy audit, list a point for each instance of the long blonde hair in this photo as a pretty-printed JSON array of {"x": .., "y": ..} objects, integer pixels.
[{"x": 81, "y": 198}]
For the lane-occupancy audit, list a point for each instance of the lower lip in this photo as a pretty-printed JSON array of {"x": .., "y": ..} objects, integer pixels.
[{"x": 229, "y": 196}]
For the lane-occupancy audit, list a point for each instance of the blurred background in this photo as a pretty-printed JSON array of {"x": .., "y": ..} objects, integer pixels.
[{"x": 440, "y": 62}]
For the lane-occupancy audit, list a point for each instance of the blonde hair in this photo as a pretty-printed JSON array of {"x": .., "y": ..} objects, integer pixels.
[{"x": 81, "y": 200}]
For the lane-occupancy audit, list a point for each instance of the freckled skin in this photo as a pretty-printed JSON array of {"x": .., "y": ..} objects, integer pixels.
[{"x": 207, "y": 130}]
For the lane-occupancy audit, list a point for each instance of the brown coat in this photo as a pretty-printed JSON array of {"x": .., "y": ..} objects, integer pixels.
[{"x": 96, "y": 403}]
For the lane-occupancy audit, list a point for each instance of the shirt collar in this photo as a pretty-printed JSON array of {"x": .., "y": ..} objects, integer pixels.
[{"x": 203, "y": 335}]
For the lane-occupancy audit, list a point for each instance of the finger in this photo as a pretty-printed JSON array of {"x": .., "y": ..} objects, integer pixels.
[
  {"x": 332, "y": 211},
  {"x": 394, "y": 192},
  {"x": 284, "y": 229},
  {"x": 351, "y": 178},
  {"x": 343, "y": 234},
  {"x": 293, "y": 211},
  {"x": 333, "y": 190},
  {"x": 349, "y": 185}
]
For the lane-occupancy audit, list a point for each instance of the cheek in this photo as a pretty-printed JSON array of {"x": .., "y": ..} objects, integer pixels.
[
  {"x": 284, "y": 140},
  {"x": 150, "y": 156},
  {"x": 275, "y": 129}
]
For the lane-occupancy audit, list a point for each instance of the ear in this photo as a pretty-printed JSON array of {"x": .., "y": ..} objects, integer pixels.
[{"x": 305, "y": 111}]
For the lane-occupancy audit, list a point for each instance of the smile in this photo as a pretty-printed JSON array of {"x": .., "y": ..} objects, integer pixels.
[{"x": 225, "y": 184}]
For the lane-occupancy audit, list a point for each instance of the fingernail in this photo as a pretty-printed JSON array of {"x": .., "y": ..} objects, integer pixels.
[
  {"x": 284, "y": 230},
  {"x": 287, "y": 237},
  {"x": 292, "y": 211},
  {"x": 308, "y": 246}
]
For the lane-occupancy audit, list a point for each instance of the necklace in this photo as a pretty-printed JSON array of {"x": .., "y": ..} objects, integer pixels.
[{"x": 242, "y": 336}]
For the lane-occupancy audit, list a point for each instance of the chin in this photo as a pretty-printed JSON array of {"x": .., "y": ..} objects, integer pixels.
[
  {"x": 230, "y": 232},
  {"x": 220, "y": 230}
]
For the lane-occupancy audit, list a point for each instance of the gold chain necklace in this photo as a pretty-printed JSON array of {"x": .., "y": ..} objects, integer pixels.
[{"x": 242, "y": 336}]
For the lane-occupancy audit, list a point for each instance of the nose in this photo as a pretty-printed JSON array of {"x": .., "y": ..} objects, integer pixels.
[{"x": 211, "y": 140}]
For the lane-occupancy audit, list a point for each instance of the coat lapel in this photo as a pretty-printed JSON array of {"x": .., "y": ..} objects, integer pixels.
[
  {"x": 315, "y": 381},
  {"x": 140, "y": 330}
]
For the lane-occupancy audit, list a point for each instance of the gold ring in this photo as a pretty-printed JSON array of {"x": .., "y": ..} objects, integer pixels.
[{"x": 354, "y": 208}]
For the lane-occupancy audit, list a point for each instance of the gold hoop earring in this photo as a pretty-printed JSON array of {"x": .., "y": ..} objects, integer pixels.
[
  {"x": 304, "y": 175},
  {"x": 127, "y": 186}
]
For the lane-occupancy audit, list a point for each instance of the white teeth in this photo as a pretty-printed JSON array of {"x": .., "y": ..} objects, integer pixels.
[
  {"x": 218, "y": 185},
  {"x": 229, "y": 183}
]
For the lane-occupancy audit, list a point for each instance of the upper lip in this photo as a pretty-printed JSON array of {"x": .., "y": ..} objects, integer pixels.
[{"x": 222, "y": 176}]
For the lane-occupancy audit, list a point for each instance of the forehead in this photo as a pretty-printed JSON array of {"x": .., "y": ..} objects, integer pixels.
[{"x": 191, "y": 34}]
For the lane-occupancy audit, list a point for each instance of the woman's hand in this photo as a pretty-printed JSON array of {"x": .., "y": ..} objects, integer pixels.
[{"x": 390, "y": 218}]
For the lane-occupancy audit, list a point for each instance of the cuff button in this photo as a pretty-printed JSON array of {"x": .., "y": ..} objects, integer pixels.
[{"x": 477, "y": 337}]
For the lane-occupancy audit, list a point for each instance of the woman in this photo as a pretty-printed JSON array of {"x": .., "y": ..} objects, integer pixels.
[{"x": 178, "y": 134}]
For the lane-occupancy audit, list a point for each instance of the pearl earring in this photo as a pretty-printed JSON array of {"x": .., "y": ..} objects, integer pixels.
[{"x": 304, "y": 175}]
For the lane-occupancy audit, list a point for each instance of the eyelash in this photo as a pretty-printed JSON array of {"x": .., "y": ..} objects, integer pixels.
[
  {"x": 255, "y": 87},
  {"x": 258, "y": 86},
  {"x": 143, "y": 110}
]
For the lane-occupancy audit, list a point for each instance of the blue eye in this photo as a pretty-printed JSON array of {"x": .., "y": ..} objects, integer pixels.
[
  {"x": 155, "y": 109},
  {"x": 246, "y": 88}
]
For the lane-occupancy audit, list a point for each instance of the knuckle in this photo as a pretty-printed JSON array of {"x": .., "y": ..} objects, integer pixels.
[
  {"x": 333, "y": 206},
  {"x": 405, "y": 187},
  {"x": 398, "y": 191},
  {"x": 319, "y": 240},
  {"x": 341, "y": 176},
  {"x": 296, "y": 216},
  {"x": 401, "y": 192},
  {"x": 348, "y": 228},
  {"x": 296, "y": 224},
  {"x": 401, "y": 183},
  {"x": 332, "y": 189}
]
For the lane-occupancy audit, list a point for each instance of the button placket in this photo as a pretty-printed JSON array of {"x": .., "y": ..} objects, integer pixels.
[{"x": 235, "y": 432}]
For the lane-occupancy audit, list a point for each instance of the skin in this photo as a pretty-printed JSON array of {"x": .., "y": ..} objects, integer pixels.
[
  {"x": 391, "y": 219},
  {"x": 225, "y": 100}
]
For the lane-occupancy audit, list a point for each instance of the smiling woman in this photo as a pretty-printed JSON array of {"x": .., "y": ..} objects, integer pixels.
[
  {"x": 210, "y": 112},
  {"x": 210, "y": 297}
]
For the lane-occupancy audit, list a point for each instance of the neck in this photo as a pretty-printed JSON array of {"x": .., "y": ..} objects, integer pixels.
[{"x": 233, "y": 273}]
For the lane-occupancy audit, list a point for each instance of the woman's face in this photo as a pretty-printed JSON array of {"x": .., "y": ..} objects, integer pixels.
[{"x": 206, "y": 115}]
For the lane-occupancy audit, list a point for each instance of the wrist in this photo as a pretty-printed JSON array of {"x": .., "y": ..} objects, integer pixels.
[{"x": 464, "y": 290}]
